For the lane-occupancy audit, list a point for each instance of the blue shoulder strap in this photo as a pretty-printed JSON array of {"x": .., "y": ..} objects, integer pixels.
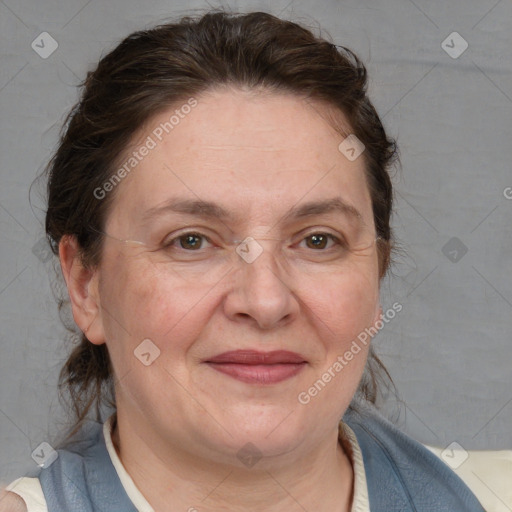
[
  {"x": 402, "y": 475},
  {"x": 83, "y": 477}
]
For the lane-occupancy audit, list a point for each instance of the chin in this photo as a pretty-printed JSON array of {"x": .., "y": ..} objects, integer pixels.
[{"x": 273, "y": 432}]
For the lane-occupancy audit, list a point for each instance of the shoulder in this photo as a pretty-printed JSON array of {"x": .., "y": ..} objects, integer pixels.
[
  {"x": 25, "y": 494},
  {"x": 11, "y": 502},
  {"x": 397, "y": 467},
  {"x": 487, "y": 473},
  {"x": 83, "y": 477}
]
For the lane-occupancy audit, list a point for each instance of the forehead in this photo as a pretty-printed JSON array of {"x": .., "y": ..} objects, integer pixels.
[{"x": 255, "y": 153}]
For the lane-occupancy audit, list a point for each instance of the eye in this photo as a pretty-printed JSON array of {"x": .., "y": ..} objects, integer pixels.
[
  {"x": 190, "y": 241},
  {"x": 319, "y": 241}
]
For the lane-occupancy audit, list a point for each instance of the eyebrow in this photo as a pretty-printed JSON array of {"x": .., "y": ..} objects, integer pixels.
[{"x": 208, "y": 209}]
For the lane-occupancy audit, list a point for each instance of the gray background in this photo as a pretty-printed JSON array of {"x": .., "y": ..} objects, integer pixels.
[{"x": 449, "y": 350}]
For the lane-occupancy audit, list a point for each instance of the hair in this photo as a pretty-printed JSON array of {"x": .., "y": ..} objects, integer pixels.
[{"x": 151, "y": 70}]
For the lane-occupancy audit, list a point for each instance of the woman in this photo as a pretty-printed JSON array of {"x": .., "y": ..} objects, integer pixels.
[{"x": 220, "y": 204}]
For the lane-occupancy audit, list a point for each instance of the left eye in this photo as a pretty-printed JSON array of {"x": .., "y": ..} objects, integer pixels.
[{"x": 320, "y": 240}]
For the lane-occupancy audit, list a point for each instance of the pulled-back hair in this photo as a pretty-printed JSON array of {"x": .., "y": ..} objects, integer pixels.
[{"x": 151, "y": 70}]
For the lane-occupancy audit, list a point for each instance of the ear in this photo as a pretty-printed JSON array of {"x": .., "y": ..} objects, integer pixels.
[{"x": 82, "y": 284}]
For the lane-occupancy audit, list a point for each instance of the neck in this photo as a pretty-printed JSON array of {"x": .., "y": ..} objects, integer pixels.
[{"x": 320, "y": 481}]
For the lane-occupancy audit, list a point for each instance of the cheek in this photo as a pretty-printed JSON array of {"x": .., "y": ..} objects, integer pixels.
[
  {"x": 145, "y": 301},
  {"x": 342, "y": 315},
  {"x": 344, "y": 303}
]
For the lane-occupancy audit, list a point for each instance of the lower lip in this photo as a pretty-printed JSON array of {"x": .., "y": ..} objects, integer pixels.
[{"x": 259, "y": 373}]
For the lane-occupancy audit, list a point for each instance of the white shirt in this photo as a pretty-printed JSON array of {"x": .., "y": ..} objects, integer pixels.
[{"x": 487, "y": 473}]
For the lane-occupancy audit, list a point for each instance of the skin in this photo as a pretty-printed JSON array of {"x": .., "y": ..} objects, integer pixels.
[
  {"x": 181, "y": 423},
  {"x": 11, "y": 502}
]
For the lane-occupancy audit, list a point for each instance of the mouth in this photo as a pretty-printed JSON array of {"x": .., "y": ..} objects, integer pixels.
[{"x": 255, "y": 367}]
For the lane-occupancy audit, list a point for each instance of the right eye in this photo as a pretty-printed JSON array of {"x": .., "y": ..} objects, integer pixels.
[{"x": 320, "y": 240}]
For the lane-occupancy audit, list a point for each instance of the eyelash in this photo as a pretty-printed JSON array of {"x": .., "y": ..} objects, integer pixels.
[{"x": 170, "y": 243}]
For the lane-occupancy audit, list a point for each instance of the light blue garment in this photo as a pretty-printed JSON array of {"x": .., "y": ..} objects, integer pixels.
[
  {"x": 83, "y": 478},
  {"x": 402, "y": 475}
]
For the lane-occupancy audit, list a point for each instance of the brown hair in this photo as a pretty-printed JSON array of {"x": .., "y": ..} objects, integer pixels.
[{"x": 151, "y": 70}]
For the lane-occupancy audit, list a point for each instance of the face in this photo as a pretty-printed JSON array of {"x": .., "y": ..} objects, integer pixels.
[{"x": 190, "y": 286}]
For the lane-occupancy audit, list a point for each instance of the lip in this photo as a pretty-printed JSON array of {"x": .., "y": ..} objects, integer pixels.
[
  {"x": 255, "y": 367},
  {"x": 256, "y": 357}
]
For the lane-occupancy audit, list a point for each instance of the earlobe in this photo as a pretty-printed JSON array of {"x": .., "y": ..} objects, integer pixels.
[{"x": 82, "y": 285}]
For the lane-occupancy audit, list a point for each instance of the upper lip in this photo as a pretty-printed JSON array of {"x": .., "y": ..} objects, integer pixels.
[{"x": 257, "y": 357}]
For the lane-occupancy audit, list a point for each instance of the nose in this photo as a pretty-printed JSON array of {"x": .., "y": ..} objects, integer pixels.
[{"x": 261, "y": 292}]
